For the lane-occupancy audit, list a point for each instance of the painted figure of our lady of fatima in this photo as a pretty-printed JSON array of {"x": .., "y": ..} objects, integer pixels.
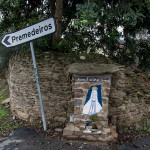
[{"x": 93, "y": 103}]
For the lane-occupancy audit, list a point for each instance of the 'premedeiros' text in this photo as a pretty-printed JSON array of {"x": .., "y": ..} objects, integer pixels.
[{"x": 32, "y": 33}]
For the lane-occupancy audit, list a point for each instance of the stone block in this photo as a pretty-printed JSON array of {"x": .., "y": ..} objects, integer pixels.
[
  {"x": 117, "y": 94},
  {"x": 148, "y": 122},
  {"x": 78, "y": 118},
  {"x": 106, "y": 130},
  {"x": 69, "y": 130},
  {"x": 23, "y": 116},
  {"x": 6, "y": 101},
  {"x": 78, "y": 133},
  {"x": 105, "y": 109},
  {"x": 88, "y": 137},
  {"x": 100, "y": 114},
  {"x": 86, "y": 85},
  {"x": 114, "y": 134},
  {"x": 60, "y": 119},
  {"x": 116, "y": 101},
  {"x": 72, "y": 137},
  {"x": 77, "y": 90},
  {"x": 78, "y": 94},
  {"x": 77, "y": 86},
  {"x": 91, "y": 138},
  {"x": 103, "y": 135},
  {"x": 99, "y": 127},
  {"x": 76, "y": 129},
  {"x": 105, "y": 112},
  {"x": 31, "y": 119},
  {"x": 102, "y": 118},
  {"x": 83, "y": 137},
  {"x": 85, "y": 93},
  {"x": 98, "y": 132},
  {"x": 77, "y": 110},
  {"x": 59, "y": 130},
  {"x": 113, "y": 120},
  {"x": 78, "y": 102},
  {"x": 105, "y": 101},
  {"x": 82, "y": 127},
  {"x": 102, "y": 139},
  {"x": 101, "y": 124},
  {"x": 111, "y": 139},
  {"x": 147, "y": 101},
  {"x": 107, "y": 90},
  {"x": 113, "y": 131},
  {"x": 106, "y": 85}
]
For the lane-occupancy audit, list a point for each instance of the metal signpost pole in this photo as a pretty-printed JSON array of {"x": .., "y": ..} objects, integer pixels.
[{"x": 38, "y": 86}]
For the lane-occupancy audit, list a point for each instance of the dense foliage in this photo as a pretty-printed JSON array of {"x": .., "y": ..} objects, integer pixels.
[
  {"x": 87, "y": 26},
  {"x": 98, "y": 22},
  {"x": 15, "y": 14}
]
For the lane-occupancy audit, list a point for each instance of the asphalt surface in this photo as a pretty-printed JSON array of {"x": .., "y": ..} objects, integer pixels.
[{"x": 28, "y": 139}]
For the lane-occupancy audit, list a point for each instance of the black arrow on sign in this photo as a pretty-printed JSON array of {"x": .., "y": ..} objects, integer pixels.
[{"x": 6, "y": 40}]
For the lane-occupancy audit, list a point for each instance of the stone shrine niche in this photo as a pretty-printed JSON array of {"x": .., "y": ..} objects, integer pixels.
[{"x": 91, "y": 87}]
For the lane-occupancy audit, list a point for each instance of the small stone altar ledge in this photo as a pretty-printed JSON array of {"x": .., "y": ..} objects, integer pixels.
[
  {"x": 91, "y": 68},
  {"x": 106, "y": 135}
]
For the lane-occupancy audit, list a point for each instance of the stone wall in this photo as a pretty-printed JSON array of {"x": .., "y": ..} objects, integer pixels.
[
  {"x": 55, "y": 87},
  {"x": 129, "y": 102},
  {"x": 130, "y": 99}
]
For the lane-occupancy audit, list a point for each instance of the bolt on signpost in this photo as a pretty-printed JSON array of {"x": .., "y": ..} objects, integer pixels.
[{"x": 27, "y": 34}]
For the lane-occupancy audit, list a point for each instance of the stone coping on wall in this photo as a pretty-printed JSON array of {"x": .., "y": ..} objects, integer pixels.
[{"x": 92, "y": 68}]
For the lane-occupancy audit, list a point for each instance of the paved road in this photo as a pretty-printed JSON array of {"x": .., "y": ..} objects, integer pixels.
[{"x": 28, "y": 139}]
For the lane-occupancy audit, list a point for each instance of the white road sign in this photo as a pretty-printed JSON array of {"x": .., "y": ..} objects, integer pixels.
[{"x": 30, "y": 33}]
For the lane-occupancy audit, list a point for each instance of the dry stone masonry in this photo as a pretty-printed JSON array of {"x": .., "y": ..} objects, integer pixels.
[
  {"x": 55, "y": 88},
  {"x": 130, "y": 99},
  {"x": 64, "y": 86}
]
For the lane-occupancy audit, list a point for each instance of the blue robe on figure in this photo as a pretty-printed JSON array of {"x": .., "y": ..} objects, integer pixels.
[{"x": 93, "y": 103}]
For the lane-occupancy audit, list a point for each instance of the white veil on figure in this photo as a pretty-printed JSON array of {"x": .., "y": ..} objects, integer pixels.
[{"x": 87, "y": 106}]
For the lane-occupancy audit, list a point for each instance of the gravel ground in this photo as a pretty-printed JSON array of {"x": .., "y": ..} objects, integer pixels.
[{"x": 28, "y": 139}]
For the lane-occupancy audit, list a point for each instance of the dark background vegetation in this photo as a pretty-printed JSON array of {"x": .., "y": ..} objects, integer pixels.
[{"x": 83, "y": 26}]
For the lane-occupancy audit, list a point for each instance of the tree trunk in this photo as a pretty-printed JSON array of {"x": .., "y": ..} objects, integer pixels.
[{"x": 58, "y": 17}]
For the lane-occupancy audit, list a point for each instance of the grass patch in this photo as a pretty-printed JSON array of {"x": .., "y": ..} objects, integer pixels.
[
  {"x": 7, "y": 124},
  {"x": 4, "y": 93}
]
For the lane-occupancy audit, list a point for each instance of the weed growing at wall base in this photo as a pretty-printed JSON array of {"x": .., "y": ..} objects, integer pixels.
[{"x": 7, "y": 124}]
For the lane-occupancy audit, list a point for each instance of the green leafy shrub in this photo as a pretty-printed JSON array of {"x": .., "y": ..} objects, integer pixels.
[{"x": 94, "y": 118}]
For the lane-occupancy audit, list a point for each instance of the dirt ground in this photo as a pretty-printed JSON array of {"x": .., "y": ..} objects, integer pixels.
[{"x": 29, "y": 139}]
